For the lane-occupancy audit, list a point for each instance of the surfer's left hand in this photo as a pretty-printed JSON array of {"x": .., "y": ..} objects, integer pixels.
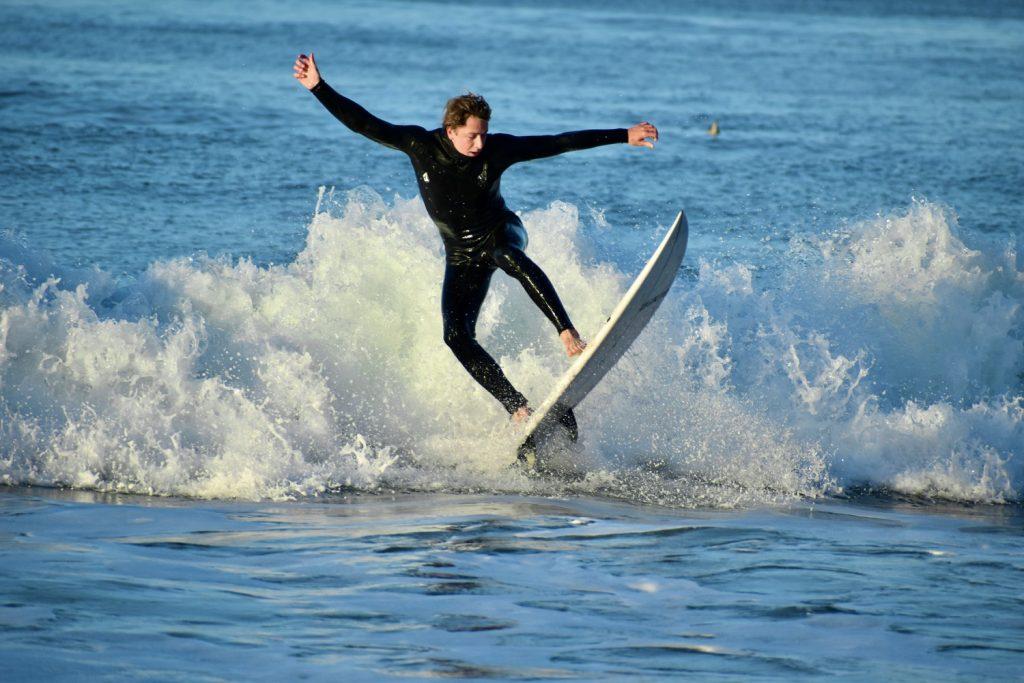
[
  {"x": 643, "y": 135},
  {"x": 574, "y": 345}
]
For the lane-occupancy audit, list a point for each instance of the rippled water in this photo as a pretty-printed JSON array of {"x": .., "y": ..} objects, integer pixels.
[{"x": 488, "y": 587}]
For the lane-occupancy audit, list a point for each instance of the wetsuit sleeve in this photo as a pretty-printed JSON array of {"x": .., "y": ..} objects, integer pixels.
[
  {"x": 362, "y": 121},
  {"x": 525, "y": 148}
]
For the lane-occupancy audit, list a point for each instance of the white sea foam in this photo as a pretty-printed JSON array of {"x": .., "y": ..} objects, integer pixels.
[{"x": 889, "y": 354}]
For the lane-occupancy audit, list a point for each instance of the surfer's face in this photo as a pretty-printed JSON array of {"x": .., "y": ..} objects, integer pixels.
[{"x": 469, "y": 138}]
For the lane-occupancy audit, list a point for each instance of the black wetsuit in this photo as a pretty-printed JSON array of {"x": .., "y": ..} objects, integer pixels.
[{"x": 462, "y": 195}]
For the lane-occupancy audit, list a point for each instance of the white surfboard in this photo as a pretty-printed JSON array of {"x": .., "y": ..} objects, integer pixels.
[{"x": 624, "y": 325}]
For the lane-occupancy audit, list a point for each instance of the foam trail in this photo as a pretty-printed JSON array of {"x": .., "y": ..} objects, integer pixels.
[{"x": 216, "y": 379}]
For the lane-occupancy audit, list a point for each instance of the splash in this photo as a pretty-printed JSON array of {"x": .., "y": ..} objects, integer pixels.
[{"x": 889, "y": 355}]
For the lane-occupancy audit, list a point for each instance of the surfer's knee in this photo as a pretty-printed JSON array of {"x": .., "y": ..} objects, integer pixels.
[
  {"x": 457, "y": 339},
  {"x": 452, "y": 338}
]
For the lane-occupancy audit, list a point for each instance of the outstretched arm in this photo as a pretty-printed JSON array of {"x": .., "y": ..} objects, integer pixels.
[
  {"x": 347, "y": 111},
  {"x": 530, "y": 147}
]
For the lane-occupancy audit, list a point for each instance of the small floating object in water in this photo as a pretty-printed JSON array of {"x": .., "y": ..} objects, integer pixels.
[{"x": 713, "y": 130}]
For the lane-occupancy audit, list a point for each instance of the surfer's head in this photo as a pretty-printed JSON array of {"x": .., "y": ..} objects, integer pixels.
[{"x": 465, "y": 122}]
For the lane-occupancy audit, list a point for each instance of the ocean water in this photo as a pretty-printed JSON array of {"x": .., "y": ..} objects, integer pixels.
[
  {"x": 485, "y": 587},
  {"x": 233, "y": 444}
]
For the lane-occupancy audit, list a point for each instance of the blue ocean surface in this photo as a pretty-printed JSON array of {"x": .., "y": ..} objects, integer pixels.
[
  {"x": 491, "y": 587},
  {"x": 234, "y": 446}
]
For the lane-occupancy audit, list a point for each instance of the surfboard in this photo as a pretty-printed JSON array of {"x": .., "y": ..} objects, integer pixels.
[{"x": 554, "y": 416}]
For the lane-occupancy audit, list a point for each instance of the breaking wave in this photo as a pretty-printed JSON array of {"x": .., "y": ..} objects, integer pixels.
[{"x": 887, "y": 354}]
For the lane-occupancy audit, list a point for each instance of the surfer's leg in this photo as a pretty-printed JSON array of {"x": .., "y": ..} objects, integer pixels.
[
  {"x": 461, "y": 298},
  {"x": 508, "y": 255}
]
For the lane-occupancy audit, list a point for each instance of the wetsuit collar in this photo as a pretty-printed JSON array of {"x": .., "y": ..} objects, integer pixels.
[{"x": 450, "y": 151}]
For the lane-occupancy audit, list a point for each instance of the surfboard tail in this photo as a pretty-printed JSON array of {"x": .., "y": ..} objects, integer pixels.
[
  {"x": 566, "y": 422},
  {"x": 527, "y": 453}
]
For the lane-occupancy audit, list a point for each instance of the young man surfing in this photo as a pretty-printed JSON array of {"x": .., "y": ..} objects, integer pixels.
[{"x": 458, "y": 168}]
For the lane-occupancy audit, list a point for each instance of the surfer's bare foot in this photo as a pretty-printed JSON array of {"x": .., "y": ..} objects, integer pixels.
[
  {"x": 573, "y": 344},
  {"x": 520, "y": 416}
]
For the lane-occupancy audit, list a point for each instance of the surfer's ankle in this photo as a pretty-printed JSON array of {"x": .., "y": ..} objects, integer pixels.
[
  {"x": 574, "y": 345},
  {"x": 522, "y": 414}
]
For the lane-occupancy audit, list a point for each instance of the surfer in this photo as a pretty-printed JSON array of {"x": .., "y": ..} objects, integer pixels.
[{"x": 458, "y": 168}]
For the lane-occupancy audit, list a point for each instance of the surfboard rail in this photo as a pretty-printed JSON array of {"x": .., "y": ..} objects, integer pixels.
[{"x": 625, "y": 323}]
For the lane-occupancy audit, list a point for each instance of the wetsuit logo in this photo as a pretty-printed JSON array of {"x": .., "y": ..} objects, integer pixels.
[
  {"x": 482, "y": 178},
  {"x": 425, "y": 177}
]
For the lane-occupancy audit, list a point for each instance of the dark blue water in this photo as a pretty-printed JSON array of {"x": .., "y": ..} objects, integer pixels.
[{"x": 136, "y": 133}]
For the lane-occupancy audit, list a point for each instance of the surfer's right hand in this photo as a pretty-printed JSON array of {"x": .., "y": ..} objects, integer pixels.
[{"x": 306, "y": 71}]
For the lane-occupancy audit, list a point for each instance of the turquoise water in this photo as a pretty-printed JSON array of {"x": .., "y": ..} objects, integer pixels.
[{"x": 233, "y": 444}]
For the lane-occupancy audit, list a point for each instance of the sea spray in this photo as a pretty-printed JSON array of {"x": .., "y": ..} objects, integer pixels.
[
  {"x": 903, "y": 348},
  {"x": 218, "y": 379}
]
